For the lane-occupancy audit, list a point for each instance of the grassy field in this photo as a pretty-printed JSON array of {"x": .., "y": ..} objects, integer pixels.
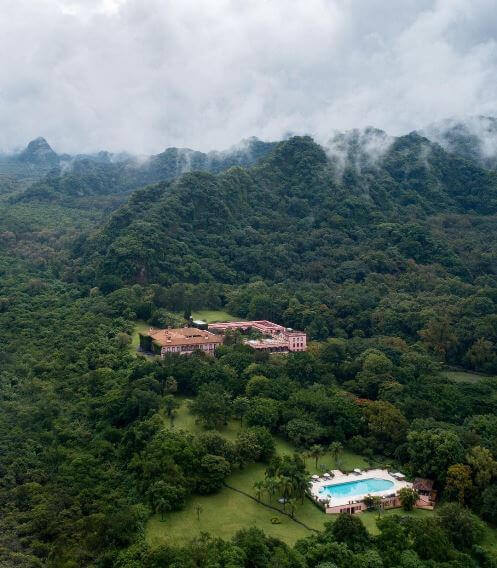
[
  {"x": 224, "y": 513},
  {"x": 348, "y": 460},
  {"x": 140, "y": 326},
  {"x": 186, "y": 421},
  {"x": 464, "y": 377},
  {"x": 211, "y": 316}
]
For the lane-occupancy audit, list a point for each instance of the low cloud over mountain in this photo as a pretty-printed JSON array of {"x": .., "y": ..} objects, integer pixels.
[{"x": 142, "y": 75}]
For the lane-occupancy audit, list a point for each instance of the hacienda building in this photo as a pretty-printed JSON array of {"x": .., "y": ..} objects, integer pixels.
[
  {"x": 181, "y": 341},
  {"x": 271, "y": 338},
  {"x": 278, "y": 338}
]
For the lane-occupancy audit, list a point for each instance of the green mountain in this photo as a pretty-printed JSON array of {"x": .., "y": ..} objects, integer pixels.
[
  {"x": 301, "y": 214},
  {"x": 337, "y": 240},
  {"x": 474, "y": 138},
  {"x": 19, "y": 171},
  {"x": 382, "y": 249},
  {"x": 103, "y": 180},
  {"x": 39, "y": 151}
]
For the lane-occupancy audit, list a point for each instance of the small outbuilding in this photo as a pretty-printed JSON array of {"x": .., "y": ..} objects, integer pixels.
[{"x": 427, "y": 494}]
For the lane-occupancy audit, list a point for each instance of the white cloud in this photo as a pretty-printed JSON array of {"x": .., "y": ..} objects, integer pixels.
[{"x": 141, "y": 75}]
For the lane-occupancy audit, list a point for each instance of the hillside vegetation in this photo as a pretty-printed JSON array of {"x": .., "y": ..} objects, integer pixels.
[
  {"x": 404, "y": 245},
  {"x": 383, "y": 249}
]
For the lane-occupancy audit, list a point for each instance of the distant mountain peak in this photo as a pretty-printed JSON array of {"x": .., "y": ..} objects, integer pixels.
[
  {"x": 472, "y": 137},
  {"x": 39, "y": 151}
]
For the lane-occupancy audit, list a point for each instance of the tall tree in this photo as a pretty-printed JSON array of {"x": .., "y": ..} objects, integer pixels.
[
  {"x": 459, "y": 485},
  {"x": 316, "y": 451},
  {"x": 212, "y": 405},
  {"x": 439, "y": 336}
]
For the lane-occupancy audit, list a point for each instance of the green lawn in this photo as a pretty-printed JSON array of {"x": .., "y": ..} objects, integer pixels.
[
  {"x": 140, "y": 326},
  {"x": 211, "y": 316},
  {"x": 348, "y": 460},
  {"x": 226, "y": 512},
  {"x": 464, "y": 377},
  {"x": 186, "y": 421}
]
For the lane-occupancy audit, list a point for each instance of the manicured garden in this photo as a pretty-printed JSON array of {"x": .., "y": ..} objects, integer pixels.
[{"x": 225, "y": 512}]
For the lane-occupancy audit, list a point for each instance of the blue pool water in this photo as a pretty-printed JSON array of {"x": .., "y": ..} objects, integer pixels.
[{"x": 353, "y": 488}]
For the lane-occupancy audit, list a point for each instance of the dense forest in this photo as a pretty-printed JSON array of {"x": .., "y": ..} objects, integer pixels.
[
  {"x": 404, "y": 246},
  {"x": 384, "y": 250},
  {"x": 104, "y": 180}
]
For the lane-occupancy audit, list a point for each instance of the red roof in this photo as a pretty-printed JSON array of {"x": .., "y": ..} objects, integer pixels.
[{"x": 184, "y": 336}]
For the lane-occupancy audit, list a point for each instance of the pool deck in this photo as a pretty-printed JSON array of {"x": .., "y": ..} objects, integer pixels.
[{"x": 339, "y": 477}]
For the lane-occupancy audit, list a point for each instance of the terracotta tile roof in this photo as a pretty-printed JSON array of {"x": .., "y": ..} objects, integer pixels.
[
  {"x": 184, "y": 336},
  {"x": 264, "y": 326}
]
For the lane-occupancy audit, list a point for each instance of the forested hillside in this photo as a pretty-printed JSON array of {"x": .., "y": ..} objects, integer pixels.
[
  {"x": 103, "y": 180},
  {"x": 383, "y": 249},
  {"x": 474, "y": 139},
  {"x": 391, "y": 246}
]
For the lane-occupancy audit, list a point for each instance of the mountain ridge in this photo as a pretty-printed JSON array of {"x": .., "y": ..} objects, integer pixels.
[
  {"x": 190, "y": 227},
  {"x": 63, "y": 178},
  {"x": 39, "y": 151},
  {"x": 88, "y": 176}
]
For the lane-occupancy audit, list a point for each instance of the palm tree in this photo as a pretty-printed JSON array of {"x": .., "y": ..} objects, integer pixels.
[
  {"x": 259, "y": 487},
  {"x": 323, "y": 468},
  {"x": 336, "y": 449},
  {"x": 292, "y": 503},
  {"x": 287, "y": 487},
  {"x": 271, "y": 485},
  {"x": 316, "y": 451},
  {"x": 306, "y": 454},
  {"x": 301, "y": 485}
]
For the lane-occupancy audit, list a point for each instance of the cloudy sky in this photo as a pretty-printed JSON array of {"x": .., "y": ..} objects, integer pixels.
[{"x": 141, "y": 75}]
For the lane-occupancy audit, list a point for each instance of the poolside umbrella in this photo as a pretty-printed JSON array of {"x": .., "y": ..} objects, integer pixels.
[
  {"x": 315, "y": 477},
  {"x": 327, "y": 475}
]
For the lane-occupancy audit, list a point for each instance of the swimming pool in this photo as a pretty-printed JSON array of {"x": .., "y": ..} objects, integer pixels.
[{"x": 354, "y": 488}]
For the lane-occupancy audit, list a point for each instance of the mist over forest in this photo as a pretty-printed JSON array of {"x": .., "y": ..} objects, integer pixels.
[{"x": 318, "y": 177}]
